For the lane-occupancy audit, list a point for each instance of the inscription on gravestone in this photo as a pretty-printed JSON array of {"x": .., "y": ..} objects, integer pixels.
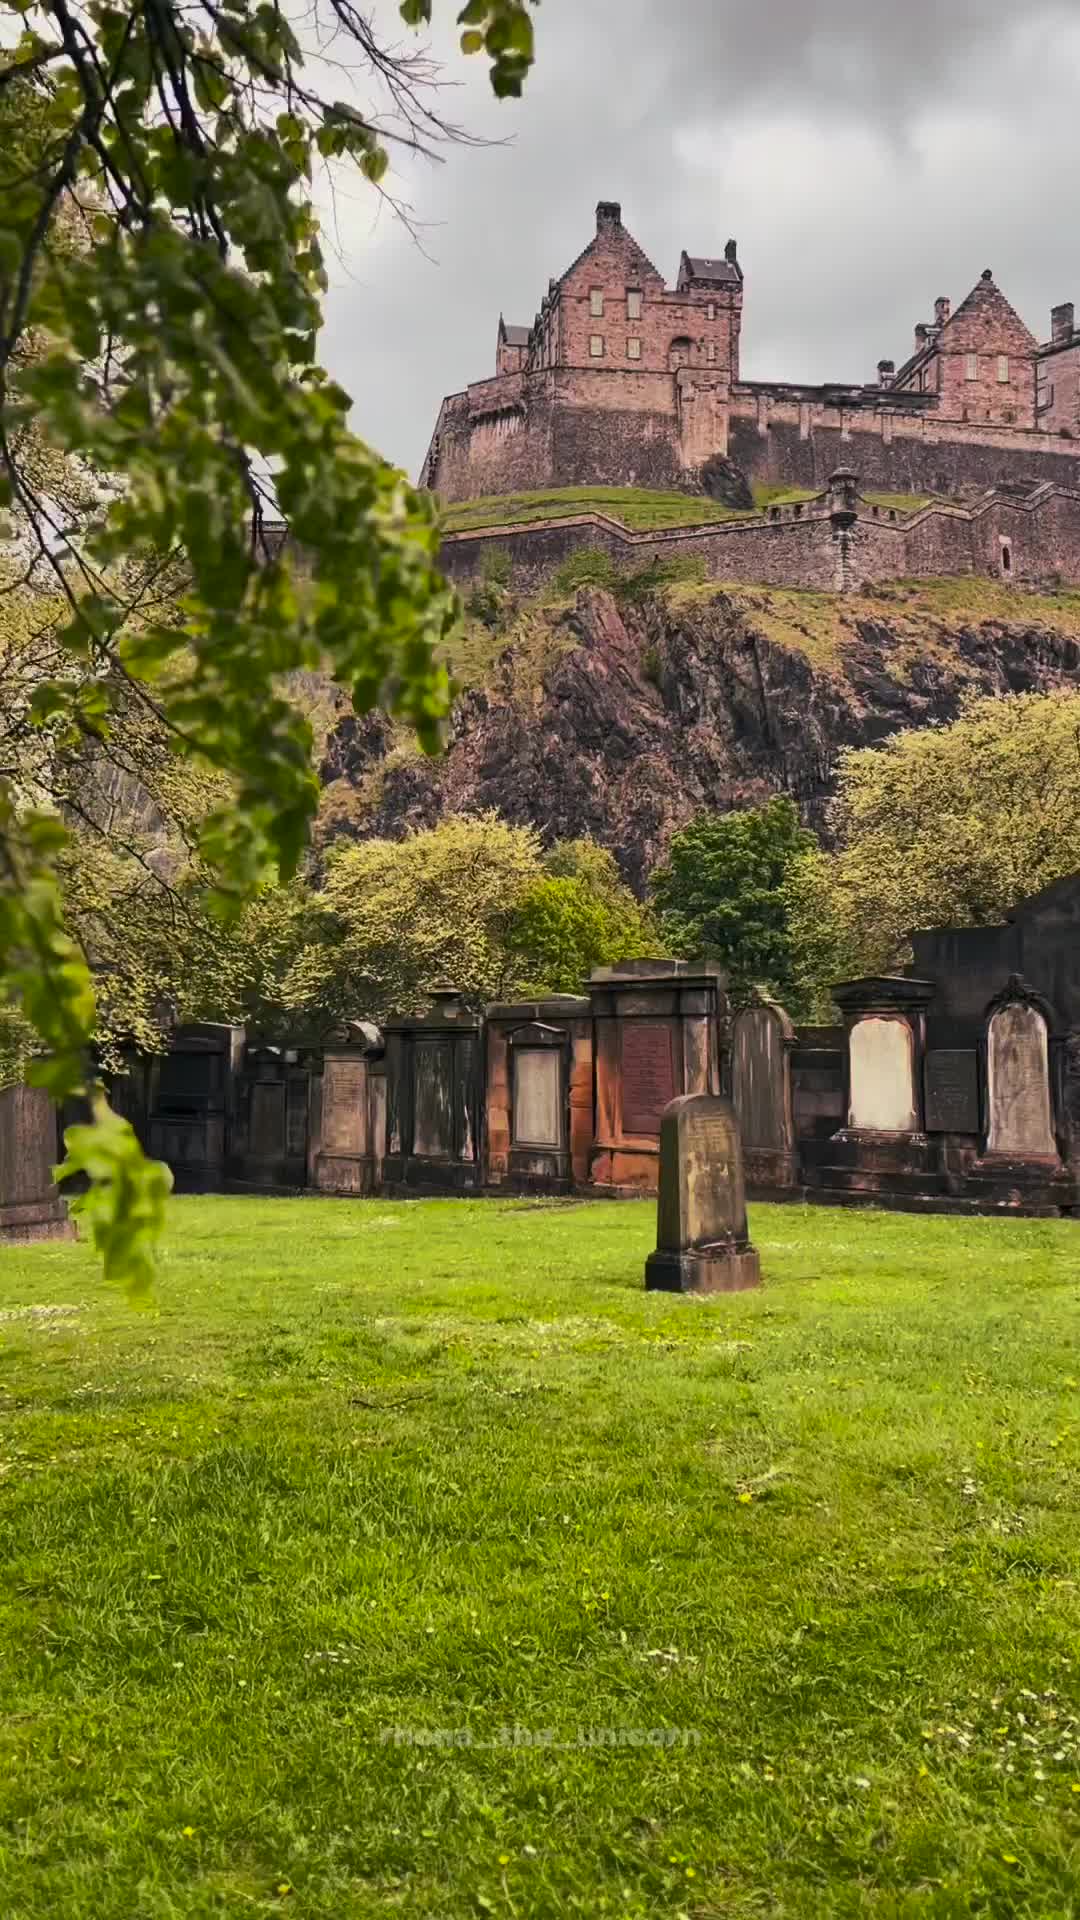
[
  {"x": 648, "y": 1076},
  {"x": 952, "y": 1091},
  {"x": 344, "y": 1082},
  {"x": 537, "y": 1081}
]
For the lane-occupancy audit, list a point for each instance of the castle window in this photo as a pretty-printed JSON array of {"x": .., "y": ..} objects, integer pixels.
[
  {"x": 710, "y": 311},
  {"x": 596, "y": 302},
  {"x": 710, "y": 351},
  {"x": 633, "y": 348},
  {"x": 679, "y": 353},
  {"x": 1003, "y": 369},
  {"x": 972, "y": 366},
  {"x": 633, "y": 303},
  {"x": 596, "y": 346},
  {"x": 1006, "y": 557}
]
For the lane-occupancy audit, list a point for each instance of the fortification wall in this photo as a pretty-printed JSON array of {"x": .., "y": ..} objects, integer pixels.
[
  {"x": 1026, "y": 542},
  {"x": 770, "y": 553},
  {"x": 802, "y": 442}
]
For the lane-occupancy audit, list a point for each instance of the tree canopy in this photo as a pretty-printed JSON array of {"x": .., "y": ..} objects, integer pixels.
[
  {"x": 161, "y": 276},
  {"x": 721, "y": 892},
  {"x": 946, "y": 826}
]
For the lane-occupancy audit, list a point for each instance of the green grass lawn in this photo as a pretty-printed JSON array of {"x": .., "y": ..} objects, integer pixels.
[{"x": 811, "y": 1555}]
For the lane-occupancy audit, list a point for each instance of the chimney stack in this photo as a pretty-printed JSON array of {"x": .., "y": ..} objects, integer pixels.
[
  {"x": 608, "y": 214},
  {"x": 731, "y": 253},
  {"x": 922, "y": 335},
  {"x": 1062, "y": 323},
  {"x": 885, "y": 371},
  {"x": 942, "y": 310}
]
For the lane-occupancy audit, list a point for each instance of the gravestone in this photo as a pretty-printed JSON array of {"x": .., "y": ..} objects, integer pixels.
[
  {"x": 434, "y": 1099},
  {"x": 1018, "y": 1084},
  {"x": 538, "y": 1094},
  {"x": 31, "y": 1206},
  {"x": 537, "y": 1097},
  {"x": 349, "y": 1112},
  {"x": 658, "y": 1031},
  {"x": 882, "y": 1085},
  {"x": 702, "y": 1241},
  {"x": 648, "y": 1075},
  {"x": 952, "y": 1090},
  {"x": 762, "y": 1043}
]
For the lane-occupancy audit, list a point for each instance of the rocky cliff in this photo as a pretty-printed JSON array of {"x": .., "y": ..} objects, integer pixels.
[{"x": 621, "y": 720}]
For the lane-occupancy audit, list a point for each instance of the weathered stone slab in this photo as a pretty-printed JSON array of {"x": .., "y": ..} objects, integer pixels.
[
  {"x": 648, "y": 1075},
  {"x": 538, "y": 1118},
  {"x": 762, "y": 1042},
  {"x": 882, "y": 1093},
  {"x": 31, "y": 1205},
  {"x": 1018, "y": 1079},
  {"x": 344, "y": 1122},
  {"x": 433, "y": 1127},
  {"x": 703, "y": 1245},
  {"x": 952, "y": 1090}
]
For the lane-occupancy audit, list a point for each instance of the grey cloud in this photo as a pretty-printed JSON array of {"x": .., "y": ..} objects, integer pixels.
[{"x": 867, "y": 157}]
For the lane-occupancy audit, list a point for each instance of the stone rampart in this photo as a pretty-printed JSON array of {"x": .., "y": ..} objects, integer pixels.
[{"x": 1028, "y": 541}]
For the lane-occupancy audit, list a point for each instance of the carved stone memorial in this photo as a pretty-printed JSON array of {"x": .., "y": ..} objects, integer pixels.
[
  {"x": 648, "y": 1075},
  {"x": 762, "y": 1044},
  {"x": 1018, "y": 1084},
  {"x": 702, "y": 1241},
  {"x": 882, "y": 1085},
  {"x": 31, "y": 1205},
  {"x": 952, "y": 1090}
]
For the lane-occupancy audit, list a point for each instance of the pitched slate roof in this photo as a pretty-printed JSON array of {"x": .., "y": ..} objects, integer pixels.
[{"x": 721, "y": 272}]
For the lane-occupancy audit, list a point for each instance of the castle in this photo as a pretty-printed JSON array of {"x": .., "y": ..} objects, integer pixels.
[{"x": 622, "y": 380}]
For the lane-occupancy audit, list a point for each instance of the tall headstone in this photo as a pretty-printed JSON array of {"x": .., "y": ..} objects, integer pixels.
[
  {"x": 1018, "y": 1084},
  {"x": 191, "y": 1104},
  {"x": 348, "y": 1139},
  {"x": 267, "y": 1131},
  {"x": 31, "y": 1205},
  {"x": 763, "y": 1040},
  {"x": 703, "y": 1245},
  {"x": 659, "y": 1028},
  {"x": 434, "y": 1111},
  {"x": 538, "y": 1095}
]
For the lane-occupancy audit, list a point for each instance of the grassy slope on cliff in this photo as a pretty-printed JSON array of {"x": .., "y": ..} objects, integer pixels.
[{"x": 637, "y": 508}]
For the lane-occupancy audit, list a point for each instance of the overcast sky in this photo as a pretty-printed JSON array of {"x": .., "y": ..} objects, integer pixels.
[{"x": 867, "y": 156}]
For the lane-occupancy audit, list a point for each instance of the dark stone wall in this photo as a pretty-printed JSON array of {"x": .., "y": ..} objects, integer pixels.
[
  {"x": 910, "y": 463},
  {"x": 606, "y": 446},
  {"x": 970, "y": 965}
]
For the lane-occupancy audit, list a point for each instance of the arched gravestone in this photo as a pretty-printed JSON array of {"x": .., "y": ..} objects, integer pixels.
[
  {"x": 1018, "y": 1084},
  {"x": 31, "y": 1205},
  {"x": 762, "y": 1040}
]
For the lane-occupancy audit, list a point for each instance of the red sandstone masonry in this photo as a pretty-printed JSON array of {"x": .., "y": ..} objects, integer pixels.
[{"x": 559, "y": 415}]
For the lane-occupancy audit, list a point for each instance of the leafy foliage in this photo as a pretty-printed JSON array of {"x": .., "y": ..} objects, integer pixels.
[
  {"x": 402, "y": 917},
  {"x": 721, "y": 892},
  {"x": 160, "y": 283},
  {"x": 580, "y": 915},
  {"x": 947, "y": 826}
]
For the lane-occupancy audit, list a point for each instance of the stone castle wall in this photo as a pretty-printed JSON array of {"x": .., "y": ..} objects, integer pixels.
[
  {"x": 1028, "y": 541},
  {"x": 573, "y": 426}
]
